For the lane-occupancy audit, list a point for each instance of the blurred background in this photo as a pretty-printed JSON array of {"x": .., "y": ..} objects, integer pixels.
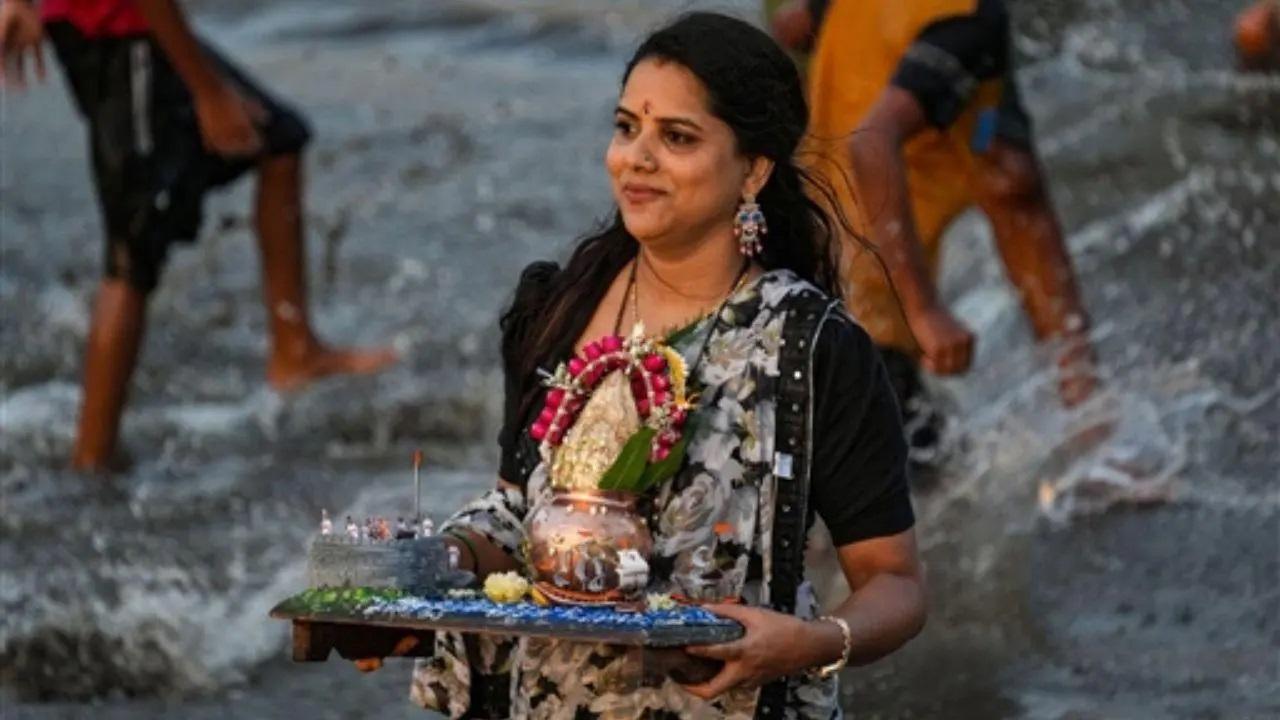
[{"x": 458, "y": 140}]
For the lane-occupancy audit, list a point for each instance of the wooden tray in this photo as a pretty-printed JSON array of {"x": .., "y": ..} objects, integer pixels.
[{"x": 359, "y": 629}]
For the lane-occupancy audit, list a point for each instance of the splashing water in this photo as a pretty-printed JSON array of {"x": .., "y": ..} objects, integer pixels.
[{"x": 1104, "y": 561}]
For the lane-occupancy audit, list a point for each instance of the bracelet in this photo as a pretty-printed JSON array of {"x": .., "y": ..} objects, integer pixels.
[
  {"x": 462, "y": 538},
  {"x": 830, "y": 669}
]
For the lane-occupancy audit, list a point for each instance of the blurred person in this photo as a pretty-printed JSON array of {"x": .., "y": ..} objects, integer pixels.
[
  {"x": 915, "y": 102},
  {"x": 1257, "y": 36},
  {"x": 168, "y": 119}
]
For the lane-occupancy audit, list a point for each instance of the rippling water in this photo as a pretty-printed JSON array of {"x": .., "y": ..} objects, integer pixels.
[{"x": 1134, "y": 576}]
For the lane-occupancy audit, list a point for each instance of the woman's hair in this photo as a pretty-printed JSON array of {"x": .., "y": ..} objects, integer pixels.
[{"x": 754, "y": 87}]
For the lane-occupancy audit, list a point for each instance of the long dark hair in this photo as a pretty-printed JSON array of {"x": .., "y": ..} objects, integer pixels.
[{"x": 756, "y": 90}]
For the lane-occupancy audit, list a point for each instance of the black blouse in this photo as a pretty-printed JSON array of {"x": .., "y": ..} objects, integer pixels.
[{"x": 858, "y": 480}]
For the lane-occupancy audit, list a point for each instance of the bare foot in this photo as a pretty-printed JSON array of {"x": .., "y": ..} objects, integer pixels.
[{"x": 288, "y": 375}]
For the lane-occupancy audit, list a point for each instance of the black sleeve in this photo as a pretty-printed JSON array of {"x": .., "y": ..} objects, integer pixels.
[
  {"x": 945, "y": 63},
  {"x": 859, "y": 475},
  {"x": 517, "y": 447}
]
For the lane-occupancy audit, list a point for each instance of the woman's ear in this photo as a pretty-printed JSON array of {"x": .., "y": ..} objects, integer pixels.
[{"x": 758, "y": 173}]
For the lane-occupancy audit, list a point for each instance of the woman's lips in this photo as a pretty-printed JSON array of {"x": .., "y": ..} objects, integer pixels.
[{"x": 640, "y": 194}]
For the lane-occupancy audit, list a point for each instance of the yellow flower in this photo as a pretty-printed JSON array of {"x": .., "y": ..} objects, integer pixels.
[
  {"x": 656, "y": 602},
  {"x": 678, "y": 371},
  {"x": 506, "y": 587}
]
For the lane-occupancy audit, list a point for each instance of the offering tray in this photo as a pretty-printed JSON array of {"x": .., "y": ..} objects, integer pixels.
[{"x": 366, "y": 622}]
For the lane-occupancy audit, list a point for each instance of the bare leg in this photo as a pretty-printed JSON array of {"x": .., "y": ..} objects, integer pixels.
[
  {"x": 1012, "y": 193},
  {"x": 297, "y": 356},
  {"x": 119, "y": 314}
]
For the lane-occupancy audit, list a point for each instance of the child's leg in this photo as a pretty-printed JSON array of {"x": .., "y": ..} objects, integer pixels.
[
  {"x": 297, "y": 356},
  {"x": 119, "y": 316}
]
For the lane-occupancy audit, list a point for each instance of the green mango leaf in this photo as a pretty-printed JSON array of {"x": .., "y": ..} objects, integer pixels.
[
  {"x": 679, "y": 334},
  {"x": 630, "y": 464},
  {"x": 656, "y": 473}
]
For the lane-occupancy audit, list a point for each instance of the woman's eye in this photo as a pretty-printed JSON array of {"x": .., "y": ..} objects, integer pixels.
[
  {"x": 678, "y": 138},
  {"x": 622, "y": 127}
]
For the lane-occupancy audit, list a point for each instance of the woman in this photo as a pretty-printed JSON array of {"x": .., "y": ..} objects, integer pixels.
[{"x": 710, "y": 114}]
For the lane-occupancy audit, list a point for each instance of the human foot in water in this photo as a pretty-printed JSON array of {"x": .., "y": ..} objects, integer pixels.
[{"x": 291, "y": 373}]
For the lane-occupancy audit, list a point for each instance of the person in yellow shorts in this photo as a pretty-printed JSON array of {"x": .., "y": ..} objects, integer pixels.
[{"x": 915, "y": 118}]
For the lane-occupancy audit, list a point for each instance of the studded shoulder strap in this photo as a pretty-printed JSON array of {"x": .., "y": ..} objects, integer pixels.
[{"x": 792, "y": 454}]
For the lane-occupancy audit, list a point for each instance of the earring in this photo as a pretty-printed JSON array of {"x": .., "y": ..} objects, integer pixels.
[{"x": 748, "y": 226}]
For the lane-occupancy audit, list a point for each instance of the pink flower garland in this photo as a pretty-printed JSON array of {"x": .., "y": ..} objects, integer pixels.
[{"x": 651, "y": 387}]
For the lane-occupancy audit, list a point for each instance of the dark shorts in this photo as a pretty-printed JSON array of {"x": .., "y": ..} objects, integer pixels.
[
  {"x": 150, "y": 167},
  {"x": 948, "y": 60}
]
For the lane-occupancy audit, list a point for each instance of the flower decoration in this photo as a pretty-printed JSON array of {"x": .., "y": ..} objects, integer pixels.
[
  {"x": 659, "y": 602},
  {"x": 506, "y": 587},
  {"x": 657, "y": 377}
]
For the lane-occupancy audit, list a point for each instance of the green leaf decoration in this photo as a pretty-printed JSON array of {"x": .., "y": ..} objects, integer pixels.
[
  {"x": 680, "y": 333},
  {"x": 658, "y": 472},
  {"x": 625, "y": 471}
]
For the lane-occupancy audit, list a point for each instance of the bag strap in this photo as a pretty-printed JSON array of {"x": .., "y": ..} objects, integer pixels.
[{"x": 792, "y": 454}]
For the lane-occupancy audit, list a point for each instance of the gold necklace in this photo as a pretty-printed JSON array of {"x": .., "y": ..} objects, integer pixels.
[{"x": 733, "y": 290}]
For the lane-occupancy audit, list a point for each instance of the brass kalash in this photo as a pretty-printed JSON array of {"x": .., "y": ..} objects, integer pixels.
[{"x": 611, "y": 428}]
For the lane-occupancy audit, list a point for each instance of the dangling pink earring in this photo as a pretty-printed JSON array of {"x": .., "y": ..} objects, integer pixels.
[{"x": 748, "y": 226}]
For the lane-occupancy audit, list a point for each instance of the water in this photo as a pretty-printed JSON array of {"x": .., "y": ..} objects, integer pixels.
[{"x": 1073, "y": 576}]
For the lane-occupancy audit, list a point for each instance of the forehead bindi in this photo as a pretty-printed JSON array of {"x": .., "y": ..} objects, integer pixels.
[{"x": 664, "y": 89}]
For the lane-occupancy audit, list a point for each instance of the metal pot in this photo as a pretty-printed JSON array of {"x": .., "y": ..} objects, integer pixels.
[{"x": 589, "y": 547}]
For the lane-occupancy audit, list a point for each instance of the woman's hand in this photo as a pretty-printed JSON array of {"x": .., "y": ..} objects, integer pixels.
[{"x": 774, "y": 645}]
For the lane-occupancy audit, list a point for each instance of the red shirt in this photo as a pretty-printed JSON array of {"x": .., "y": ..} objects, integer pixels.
[{"x": 96, "y": 18}]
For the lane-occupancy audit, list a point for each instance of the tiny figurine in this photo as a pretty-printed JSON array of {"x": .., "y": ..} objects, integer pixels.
[
  {"x": 633, "y": 572},
  {"x": 455, "y": 557},
  {"x": 428, "y": 528},
  {"x": 326, "y": 525},
  {"x": 353, "y": 532}
]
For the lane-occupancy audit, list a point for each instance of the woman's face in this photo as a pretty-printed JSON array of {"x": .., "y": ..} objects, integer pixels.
[{"x": 674, "y": 167}]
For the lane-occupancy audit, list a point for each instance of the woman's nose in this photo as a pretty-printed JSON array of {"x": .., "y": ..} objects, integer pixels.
[{"x": 642, "y": 157}]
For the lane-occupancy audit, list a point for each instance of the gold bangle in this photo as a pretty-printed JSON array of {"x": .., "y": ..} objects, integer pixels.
[{"x": 846, "y": 635}]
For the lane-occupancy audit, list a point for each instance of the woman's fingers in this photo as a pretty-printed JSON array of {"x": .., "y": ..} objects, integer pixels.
[
  {"x": 723, "y": 651},
  {"x": 734, "y": 611},
  {"x": 726, "y": 679}
]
